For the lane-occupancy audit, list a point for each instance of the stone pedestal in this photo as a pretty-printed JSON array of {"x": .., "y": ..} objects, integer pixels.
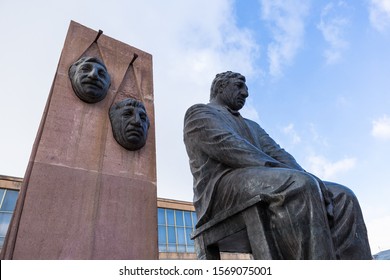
[{"x": 84, "y": 196}]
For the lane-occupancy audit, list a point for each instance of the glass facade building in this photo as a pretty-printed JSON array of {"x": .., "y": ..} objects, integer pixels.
[
  {"x": 174, "y": 230},
  {"x": 8, "y": 199}
]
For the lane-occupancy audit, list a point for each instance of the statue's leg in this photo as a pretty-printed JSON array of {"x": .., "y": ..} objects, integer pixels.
[
  {"x": 205, "y": 252},
  {"x": 257, "y": 237},
  {"x": 348, "y": 229},
  {"x": 295, "y": 219}
]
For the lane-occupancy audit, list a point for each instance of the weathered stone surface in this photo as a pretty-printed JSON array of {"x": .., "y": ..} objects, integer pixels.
[{"x": 84, "y": 196}]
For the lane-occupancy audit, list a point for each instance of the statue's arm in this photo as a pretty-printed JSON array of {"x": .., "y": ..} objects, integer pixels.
[
  {"x": 271, "y": 148},
  {"x": 205, "y": 131}
]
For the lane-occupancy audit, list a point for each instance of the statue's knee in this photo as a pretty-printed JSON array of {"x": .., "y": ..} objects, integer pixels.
[
  {"x": 307, "y": 182},
  {"x": 340, "y": 192}
]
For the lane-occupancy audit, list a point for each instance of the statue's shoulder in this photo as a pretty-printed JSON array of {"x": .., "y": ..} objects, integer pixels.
[
  {"x": 199, "y": 109},
  {"x": 254, "y": 125},
  {"x": 251, "y": 122},
  {"x": 199, "y": 106}
]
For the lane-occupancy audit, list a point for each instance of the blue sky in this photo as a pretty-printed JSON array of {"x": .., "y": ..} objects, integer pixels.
[{"x": 318, "y": 74}]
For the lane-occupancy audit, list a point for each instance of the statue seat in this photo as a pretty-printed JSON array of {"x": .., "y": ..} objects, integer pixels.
[{"x": 236, "y": 230}]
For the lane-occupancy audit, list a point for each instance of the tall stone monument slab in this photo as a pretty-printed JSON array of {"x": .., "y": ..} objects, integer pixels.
[{"x": 84, "y": 195}]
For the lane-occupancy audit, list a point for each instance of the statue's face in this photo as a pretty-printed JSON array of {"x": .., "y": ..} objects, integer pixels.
[
  {"x": 234, "y": 94},
  {"x": 130, "y": 126},
  {"x": 91, "y": 81}
]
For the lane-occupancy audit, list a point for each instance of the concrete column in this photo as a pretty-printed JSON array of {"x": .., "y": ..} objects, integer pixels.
[{"x": 84, "y": 196}]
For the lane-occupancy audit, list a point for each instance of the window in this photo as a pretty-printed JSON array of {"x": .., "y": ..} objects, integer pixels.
[
  {"x": 174, "y": 230},
  {"x": 7, "y": 205}
]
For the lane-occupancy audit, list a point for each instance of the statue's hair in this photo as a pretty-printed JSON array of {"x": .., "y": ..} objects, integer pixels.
[
  {"x": 220, "y": 81},
  {"x": 72, "y": 68}
]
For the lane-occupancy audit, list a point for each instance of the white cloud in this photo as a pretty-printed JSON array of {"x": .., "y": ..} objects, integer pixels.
[
  {"x": 316, "y": 137},
  {"x": 379, "y": 11},
  {"x": 381, "y": 128},
  {"x": 291, "y": 132},
  {"x": 378, "y": 234},
  {"x": 328, "y": 170},
  {"x": 286, "y": 19},
  {"x": 332, "y": 26}
]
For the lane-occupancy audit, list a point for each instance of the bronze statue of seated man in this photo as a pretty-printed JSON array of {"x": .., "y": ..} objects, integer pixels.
[{"x": 233, "y": 159}]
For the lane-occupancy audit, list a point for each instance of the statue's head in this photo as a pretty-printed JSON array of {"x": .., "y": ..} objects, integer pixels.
[
  {"x": 130, "y": 123},
  {"x": 229, "y": 89},
  {"x": 90, "y": 79}
]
